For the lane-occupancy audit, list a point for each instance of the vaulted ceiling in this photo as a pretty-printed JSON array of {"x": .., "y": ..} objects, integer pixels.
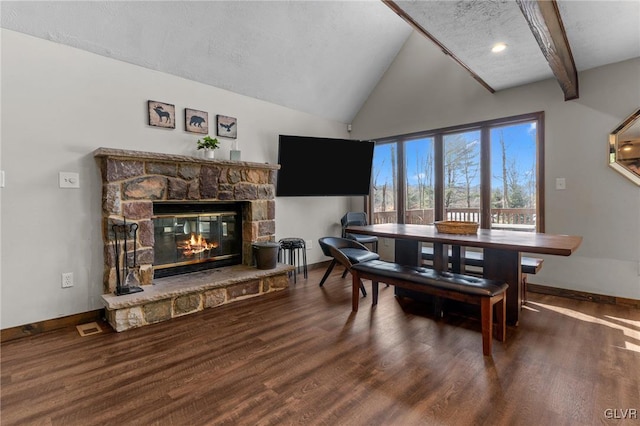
[{"x": 325, "y": 57}]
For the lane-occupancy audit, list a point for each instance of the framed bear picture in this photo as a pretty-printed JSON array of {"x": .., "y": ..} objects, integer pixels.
[{"x": 196, "y": 121}]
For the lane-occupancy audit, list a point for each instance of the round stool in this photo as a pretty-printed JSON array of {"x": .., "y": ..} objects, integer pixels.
[{"x": 290, "y": 253}]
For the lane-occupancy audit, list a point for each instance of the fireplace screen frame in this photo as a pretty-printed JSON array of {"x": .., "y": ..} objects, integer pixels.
[{"x": 220, "y": 223}]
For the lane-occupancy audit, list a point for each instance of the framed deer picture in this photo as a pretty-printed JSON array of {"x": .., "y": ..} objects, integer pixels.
[
  {"x": 227, "y": 126},
  {"x": 162, "y": 115}
]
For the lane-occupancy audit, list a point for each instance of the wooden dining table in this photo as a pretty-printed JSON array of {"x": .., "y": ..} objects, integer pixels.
[{"x": 502, "y": 251}]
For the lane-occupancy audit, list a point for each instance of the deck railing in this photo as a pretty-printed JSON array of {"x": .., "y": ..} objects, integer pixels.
[{"x": 524, "y": 219}]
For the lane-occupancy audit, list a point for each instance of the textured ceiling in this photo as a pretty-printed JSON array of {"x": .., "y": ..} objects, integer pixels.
[
  {"x": 469, "y": 29},
  {"x": 599, "y": 33},
  {"x": 321, "y": 57}
]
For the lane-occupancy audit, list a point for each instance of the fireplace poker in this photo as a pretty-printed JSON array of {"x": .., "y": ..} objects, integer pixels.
[
  {"x": 118, "y": 284},
  {"x": 134, "y": 229},
  {"x": 131, "y": 277},
  {"x": 125, "y": 259}
]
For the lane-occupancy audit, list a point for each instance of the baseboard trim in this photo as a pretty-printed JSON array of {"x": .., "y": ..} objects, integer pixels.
[
  {"x": 583, "y": 295},
  {"x": 39, "y": 327},
  {"x": 98, "y": 315}
]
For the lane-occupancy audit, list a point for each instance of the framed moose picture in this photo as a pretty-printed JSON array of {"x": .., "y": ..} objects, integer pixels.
[
  {"x": 196, "y": 121},
  {"x": 162, "y": 114},
  {"x": 227, "y": 127}
]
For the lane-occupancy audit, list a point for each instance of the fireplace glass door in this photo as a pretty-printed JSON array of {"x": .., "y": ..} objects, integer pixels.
[{"x": 195, "y": 241}]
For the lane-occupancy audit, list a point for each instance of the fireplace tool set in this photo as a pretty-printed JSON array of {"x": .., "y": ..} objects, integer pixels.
[{"x": 126, "y": 277}]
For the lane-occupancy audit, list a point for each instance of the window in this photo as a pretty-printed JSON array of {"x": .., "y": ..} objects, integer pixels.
[
  {"x": 462, "y": 176},
  {"x": 384, "y": 182},
  {"x": 513, "y": 177},
  {"x": 489, "y": 172},
  {"x": 419, "y": 187}
]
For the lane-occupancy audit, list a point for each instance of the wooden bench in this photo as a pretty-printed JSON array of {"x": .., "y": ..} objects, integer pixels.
[
  {"x": 460, "y": 287},
  {"x": 529, "y": 265}
]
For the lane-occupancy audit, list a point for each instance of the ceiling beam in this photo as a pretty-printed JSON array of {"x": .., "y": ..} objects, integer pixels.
[
  {"x": 404, "y": 15},
  {"x": 546, "y": 25}
]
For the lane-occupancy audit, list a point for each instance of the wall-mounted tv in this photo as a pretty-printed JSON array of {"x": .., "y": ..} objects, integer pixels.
[{"x": 312, "y": 166}]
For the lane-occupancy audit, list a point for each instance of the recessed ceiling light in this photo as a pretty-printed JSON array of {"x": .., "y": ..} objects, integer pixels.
[{"x": 498, "y": 47}]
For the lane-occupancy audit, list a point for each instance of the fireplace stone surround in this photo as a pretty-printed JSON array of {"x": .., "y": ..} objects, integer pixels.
[{"x": 132, "y": 181}]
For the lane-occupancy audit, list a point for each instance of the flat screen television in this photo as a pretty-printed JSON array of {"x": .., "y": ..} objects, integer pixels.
[{"x": 312, "y": 166}]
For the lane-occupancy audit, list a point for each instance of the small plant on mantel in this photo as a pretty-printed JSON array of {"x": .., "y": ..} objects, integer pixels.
[{"x": 209, "y": 144}]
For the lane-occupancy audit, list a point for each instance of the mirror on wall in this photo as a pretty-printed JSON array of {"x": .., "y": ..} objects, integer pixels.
[{"x": 624, "y": 148}]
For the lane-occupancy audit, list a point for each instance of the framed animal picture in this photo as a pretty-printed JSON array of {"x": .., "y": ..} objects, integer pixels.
[
  {"x": 196, "y": 121},
  {"x": 227, "y": 126},
  {"x": 162, "y": 115}
]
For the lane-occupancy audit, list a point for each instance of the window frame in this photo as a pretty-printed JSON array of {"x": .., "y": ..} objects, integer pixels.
[{"x": 485, "y": 157}]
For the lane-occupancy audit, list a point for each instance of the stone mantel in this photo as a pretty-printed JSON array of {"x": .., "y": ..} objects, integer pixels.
[{"x": 160, "y": 157}]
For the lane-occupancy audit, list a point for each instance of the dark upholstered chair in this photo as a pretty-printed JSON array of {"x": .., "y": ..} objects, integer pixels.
[
  {"x": 346, "y": 252},
  {"x": 358, "y": 219}
]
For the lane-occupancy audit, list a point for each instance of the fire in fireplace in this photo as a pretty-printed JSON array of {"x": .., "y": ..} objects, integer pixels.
[{"x": 191, "y": 237}]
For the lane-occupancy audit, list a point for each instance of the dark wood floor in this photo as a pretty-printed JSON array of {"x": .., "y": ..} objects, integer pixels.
[{"x": 301, "y": 357}]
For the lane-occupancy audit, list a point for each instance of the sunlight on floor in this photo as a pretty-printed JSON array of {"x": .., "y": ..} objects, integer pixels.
[
  {"x": 633, "y": 333},
  {"x": 625, "y": 320}
]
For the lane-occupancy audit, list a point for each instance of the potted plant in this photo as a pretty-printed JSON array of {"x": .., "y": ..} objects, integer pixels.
[{"x": 209, "y": 145}]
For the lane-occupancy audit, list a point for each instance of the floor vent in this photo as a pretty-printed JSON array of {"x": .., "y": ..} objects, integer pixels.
[{"x": 89, "y": 329}]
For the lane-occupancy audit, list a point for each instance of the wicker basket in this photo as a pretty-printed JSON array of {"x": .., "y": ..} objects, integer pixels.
[{"x": 456, "y": 227}]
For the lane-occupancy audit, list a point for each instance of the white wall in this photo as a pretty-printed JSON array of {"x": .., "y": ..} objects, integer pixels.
[
  {"x": 58, "y": 105},
  {"x": 422, "y": 91}
]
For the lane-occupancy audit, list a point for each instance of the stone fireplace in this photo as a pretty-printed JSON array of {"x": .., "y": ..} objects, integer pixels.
[{"x": 230, "y": 202}]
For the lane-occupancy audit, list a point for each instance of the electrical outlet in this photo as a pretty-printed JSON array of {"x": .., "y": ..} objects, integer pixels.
[
  {"x": 67, "y": 279},
  {"x": 561, "y": 183},
  {"x": 308, "y": 244},
  {"x": 69, "y": 180}
]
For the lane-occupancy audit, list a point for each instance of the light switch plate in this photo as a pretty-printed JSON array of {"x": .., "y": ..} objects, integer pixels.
[{"x": 561, "y": 183}]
